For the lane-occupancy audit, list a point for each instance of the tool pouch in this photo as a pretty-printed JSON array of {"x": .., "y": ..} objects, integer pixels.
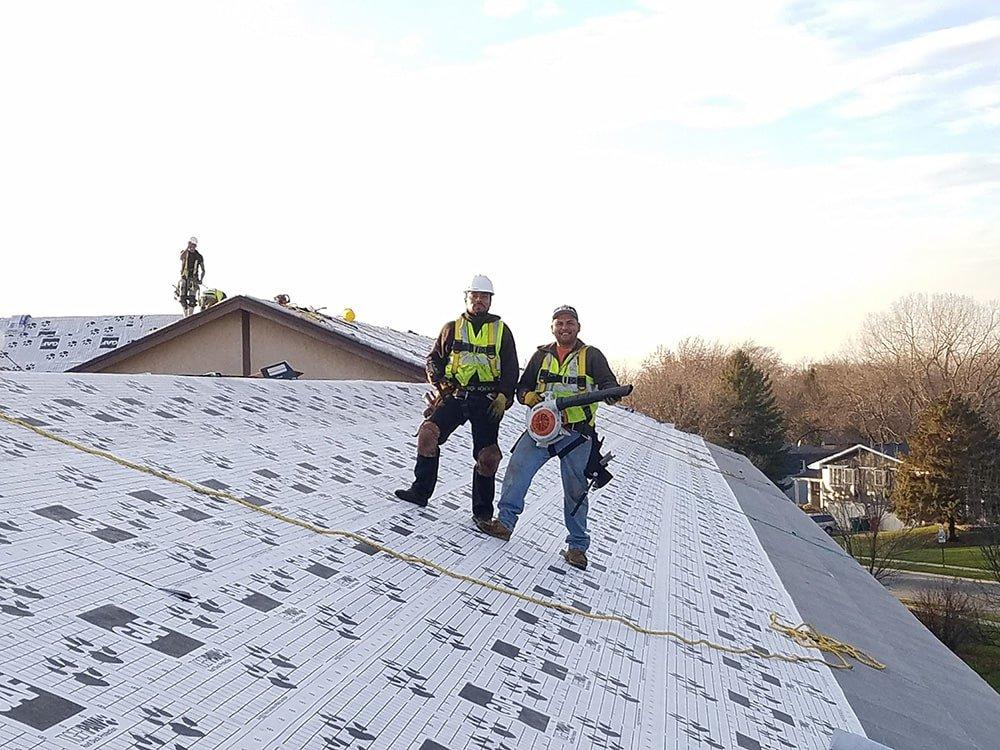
[{"x": 597, "y": 464}]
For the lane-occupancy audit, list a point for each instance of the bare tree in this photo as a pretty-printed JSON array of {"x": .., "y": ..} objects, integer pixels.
[
  {"x": 867, "y": 402},
  {"x": 680, "y": 385},
  {"x": 953, "y": 614},
  {"x": 986, "y": 494},
  {"x": 862, "y": 507},
  {"x": 923, "y": 346},
  {"x": 676, "y": 385},
  {"x": 810, "y": 394}
]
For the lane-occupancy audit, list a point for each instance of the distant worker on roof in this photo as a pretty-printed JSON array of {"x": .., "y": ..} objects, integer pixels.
[
  {"x": 473, "y": 366},
  {"x": 211, "y": 297},
  {"x": 565, "y": 367},
  {"x": 192, "y": 274}
]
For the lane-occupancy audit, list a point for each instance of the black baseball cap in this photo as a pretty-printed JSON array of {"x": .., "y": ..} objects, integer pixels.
[{"x": 565, "y": 310}]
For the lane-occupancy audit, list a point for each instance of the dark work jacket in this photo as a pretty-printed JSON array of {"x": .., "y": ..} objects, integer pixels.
[
  {"x": 437, "y": 360},
  {"x": 192, "y": 265}
]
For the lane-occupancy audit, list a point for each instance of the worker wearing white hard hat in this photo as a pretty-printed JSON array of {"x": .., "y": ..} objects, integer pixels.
[
  {"x": 473, "y": 366},
  {"x": 480, "y": 283},
  {"x": 192, "y": 274}
]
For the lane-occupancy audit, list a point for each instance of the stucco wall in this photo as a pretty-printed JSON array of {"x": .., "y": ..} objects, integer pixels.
[
  {"x": 218, "y": 347},
  {"x": 213, "y": 347},
  {"x": 272, "y": 342}
]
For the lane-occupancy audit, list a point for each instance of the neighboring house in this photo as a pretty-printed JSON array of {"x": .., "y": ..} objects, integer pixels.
[
  {"x": 242, "y": 335},
  {"x": 854, "y": 485},
  {"x": 59, "y": 344},
  {"x": 796, "y": 459},
  {"x": 137, "y": 611}
]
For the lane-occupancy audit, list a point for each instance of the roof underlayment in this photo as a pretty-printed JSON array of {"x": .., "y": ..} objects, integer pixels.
[
  {"x": 137, "y": 613},
  {"x": 57, "y": 344}
]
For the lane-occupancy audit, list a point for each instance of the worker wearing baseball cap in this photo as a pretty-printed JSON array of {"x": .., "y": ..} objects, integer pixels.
[{"x": 564, "y": 367}]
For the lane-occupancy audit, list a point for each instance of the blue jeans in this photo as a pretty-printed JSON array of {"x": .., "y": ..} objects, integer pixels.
[{"x": 528, "y": 458}]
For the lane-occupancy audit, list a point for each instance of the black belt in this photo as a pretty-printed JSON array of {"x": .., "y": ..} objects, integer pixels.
[
  {"x": 580, "y": 381},
  {"x": 464, "y": 392}
]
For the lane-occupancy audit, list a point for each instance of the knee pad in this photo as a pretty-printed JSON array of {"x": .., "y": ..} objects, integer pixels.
[
  {"x": 489, "y": 460},
  {"x": 427, "y": 439}
]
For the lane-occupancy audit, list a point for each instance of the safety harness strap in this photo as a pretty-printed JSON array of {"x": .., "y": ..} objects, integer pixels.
[
  {"x": 490, "y": 350},
  {"x": 571, "y": 446}
]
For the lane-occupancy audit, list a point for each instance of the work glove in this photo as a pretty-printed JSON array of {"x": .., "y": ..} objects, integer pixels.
[
  {"x": 497, "y": 407},
  {"x": 531, "y": 398}
]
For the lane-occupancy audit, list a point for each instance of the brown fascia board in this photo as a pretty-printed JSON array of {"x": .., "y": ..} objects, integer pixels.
[{"x": 233, "y": 304}]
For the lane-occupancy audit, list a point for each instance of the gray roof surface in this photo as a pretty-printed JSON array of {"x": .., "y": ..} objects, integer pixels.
[
  {"x": 137, "y": 613},
  {"x": 56, "y": 344},
  {"x": 405, "y": 345},
  {"x": 927, "y": 699}
]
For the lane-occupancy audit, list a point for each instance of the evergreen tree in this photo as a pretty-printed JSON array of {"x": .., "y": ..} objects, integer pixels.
[
  {"x": 950, "y": 446},
  {"x": 750, "y": 420}
]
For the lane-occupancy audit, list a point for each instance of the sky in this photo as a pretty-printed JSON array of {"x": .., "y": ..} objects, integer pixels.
[{"x": 770, "y": 170}]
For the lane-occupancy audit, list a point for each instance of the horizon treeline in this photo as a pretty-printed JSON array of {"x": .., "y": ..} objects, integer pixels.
[{"x": 900, "y": 361}]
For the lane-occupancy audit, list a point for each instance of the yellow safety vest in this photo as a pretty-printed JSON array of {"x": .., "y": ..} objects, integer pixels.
[
  {"x": 475, "y": 353},
  {"x": 568, "y": 379}
]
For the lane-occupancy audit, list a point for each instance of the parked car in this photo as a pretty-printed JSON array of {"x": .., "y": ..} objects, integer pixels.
[{"x": 826, "y": 522}]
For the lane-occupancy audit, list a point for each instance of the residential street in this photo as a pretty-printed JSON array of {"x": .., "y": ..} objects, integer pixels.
[{"x": 905, "y": 585}]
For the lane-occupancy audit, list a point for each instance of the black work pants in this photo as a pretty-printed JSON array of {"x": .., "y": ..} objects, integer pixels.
[{"x": 474, "y": 408}]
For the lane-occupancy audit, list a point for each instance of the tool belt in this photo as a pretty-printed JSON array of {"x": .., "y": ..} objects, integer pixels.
[
  {"x": 459, "y": 394},
  {"x": 463, "y": 392},
  {"x": 597, "y": 465}
]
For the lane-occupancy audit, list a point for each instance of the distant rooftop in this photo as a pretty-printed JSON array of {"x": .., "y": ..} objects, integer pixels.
[
  {"x": 403, "y": 350},
  {"x": 403, "y": 344},
  {"x": 54, "y": 344}
]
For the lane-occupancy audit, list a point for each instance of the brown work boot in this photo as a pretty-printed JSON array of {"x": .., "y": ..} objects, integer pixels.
[
  {"x": 493, "y": 527},
  {"x": 576, "y": 557}
]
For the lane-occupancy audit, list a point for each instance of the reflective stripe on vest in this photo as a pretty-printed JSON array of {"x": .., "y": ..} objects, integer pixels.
[
  {"x": 475, "y": 353},
  {"x": 569, "y": 379}
]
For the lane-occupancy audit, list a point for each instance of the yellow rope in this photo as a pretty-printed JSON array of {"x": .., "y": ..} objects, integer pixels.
[
  {"x": 805, "y": 635},
  {"x": 808, "y": 637}
]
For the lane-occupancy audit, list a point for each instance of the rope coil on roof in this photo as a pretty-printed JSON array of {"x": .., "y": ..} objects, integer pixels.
[{"x": 803, "y": 634}]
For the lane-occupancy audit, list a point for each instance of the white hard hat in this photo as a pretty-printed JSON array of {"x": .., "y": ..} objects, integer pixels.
[
  {"x": 193, "y": 240},
  {"x": 480, "y": 283}
]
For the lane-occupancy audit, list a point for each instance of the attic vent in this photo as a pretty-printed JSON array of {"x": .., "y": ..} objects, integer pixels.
[{"x": 280, "y": 371}]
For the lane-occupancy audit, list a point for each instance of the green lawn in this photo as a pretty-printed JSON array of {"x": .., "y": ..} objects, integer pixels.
[
  {"x": 963, "y": 557},
  {"x": 986, "y": 661},
  {"x": 920, "y": 547},
  {"x": 915, "y": 567},
  {"x": 985, "y": 658}
]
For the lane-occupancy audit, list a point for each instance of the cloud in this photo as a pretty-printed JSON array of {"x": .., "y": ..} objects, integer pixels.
[
  {"x": 983, "y": 106},
  {"x": 504, "y": 8},
  {"x": 861, "y": 19},
  {"x": 411, "y": 44},
  {"x": 548, "y": 9},
  {"x": 315, "y": 161}
]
